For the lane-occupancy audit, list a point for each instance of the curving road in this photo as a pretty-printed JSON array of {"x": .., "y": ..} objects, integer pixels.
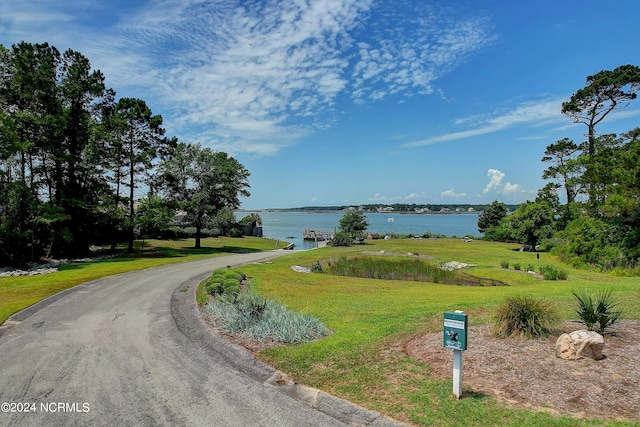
[{"x": 131, "y": 349}]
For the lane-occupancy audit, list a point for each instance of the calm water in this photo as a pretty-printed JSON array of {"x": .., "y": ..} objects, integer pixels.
[{"x": 288, "y": 226}]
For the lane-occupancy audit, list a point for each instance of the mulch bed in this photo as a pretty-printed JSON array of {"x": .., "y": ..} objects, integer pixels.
[{"x": 527, "y": 373}]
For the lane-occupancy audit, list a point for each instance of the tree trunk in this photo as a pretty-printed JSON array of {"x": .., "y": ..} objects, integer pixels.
[
  {"x": 131, "y": 193},
  {"x": 198, "y": 235}
]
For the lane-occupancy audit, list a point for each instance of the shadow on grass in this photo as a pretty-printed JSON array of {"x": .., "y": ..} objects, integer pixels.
[
  {"x": 475, "y": 395},
  {"x": 181, "y": 252},
  {"x": 163, "y": 252}
]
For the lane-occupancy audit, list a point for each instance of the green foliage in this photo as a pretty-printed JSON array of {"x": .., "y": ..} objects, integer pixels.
[
  {"x": 531, "y": 223},
  {"x": 565, "y": 168},
  {"x": 517, "y": 267},
  {"x": 550, "y": 272},
  {"x": 317, "y": 267},
  {"x": 225, "y": 282},
  {"x": 380, "y": 268},
  {"x": 203, "y": 183},
  {"x": 504, "y": 264},
  {"x": 589, "y": 241},
  {"x": 525, "y": 317},
  {"x": 253, "y": 219},
  {"x": 152, "y": 217},
  {"x": 491, "y": 216},
  {"x": 341, "y": 238},
  {"x": 353, "y": 223},
  {"x": 263, "y": 319},
  {"x": 597, "y": 312}
]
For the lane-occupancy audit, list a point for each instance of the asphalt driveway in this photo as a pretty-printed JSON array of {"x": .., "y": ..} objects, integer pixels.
[{"x": 131, "y": 349}]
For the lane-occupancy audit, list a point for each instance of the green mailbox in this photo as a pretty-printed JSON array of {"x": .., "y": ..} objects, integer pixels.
[{"x": 455, "y": 330}]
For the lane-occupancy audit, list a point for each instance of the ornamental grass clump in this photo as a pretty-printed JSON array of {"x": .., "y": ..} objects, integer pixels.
[
  {"x": 264, "y": 319},
  {"x": 598, "y": 311},
  {"x": 523, "y": 316},
  {"x": 376, "y": 268}
]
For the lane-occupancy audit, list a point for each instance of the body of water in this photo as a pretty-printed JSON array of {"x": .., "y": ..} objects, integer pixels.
[{"x": 288, "y": 226}]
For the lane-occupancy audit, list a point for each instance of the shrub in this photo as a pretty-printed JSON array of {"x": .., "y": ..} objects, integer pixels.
[
  {"x": 225, "y": 282},
  {"x": 504, "y": 264},
  {"x": 597, "y": 312},
  {"x": 341, "y": 239},
  {"x": 526, "y": 317},
  {"x": 530, "y": 267},
  {"x": 317, "y": 268},
  {"x": 516, "y": 267},
  {"x": 214, "y": 288},
  {"x": 231, "y": 286},
  {"x": 551, "y": 273}
]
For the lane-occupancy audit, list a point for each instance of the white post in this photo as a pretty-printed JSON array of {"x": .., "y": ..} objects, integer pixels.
[{"x": 457, "y": 373}]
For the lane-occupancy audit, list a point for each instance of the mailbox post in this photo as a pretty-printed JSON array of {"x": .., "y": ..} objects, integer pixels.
[{"x": 455, "y": 338}]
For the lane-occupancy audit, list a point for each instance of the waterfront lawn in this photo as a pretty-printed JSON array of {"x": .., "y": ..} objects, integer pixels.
[
  {"x": 17, "y": 293},
  {"x": 363, "y": 360}
]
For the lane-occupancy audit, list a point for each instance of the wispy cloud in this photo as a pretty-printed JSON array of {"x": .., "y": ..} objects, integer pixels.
[
  {"x": 512, "y": 189},
  {"x": 414, "y": 196},
  {"x": 451, "y": 194},
  {"x": 533, "y": 113},
  {"x": 258, "y": 76},
  {"x": 432, "y": 43}
]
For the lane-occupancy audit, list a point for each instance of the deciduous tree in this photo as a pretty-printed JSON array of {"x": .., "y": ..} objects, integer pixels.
[
  {"x": 203, "y": 182},
  {"x": 491, "y": 216}
]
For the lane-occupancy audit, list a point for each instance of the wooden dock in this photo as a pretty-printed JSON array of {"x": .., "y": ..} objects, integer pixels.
[{"x": 317, "y": 235}]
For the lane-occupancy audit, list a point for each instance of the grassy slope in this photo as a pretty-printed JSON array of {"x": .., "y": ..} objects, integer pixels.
[
  {"x": 17, "y": 293},
  {"x": 369, "y": 316}
]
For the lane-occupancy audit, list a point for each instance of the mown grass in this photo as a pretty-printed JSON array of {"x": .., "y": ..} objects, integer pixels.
[
  {"x": 372, "y": 316},
  {"x": 371, "y": 319},
  {"x": 17, "y": 293}
]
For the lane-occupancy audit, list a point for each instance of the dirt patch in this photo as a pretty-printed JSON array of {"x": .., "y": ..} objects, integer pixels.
[{"x": 527, "y": 373}]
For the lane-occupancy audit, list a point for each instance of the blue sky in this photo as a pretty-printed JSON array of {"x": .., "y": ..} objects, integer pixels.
[{"x": 347, "y": 102}]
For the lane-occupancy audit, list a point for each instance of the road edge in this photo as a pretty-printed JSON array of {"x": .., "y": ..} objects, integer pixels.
[{"x": 191, "y": 324}]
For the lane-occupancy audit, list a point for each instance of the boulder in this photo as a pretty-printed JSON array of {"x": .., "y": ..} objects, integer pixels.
[{"x": 579, "y": 344}]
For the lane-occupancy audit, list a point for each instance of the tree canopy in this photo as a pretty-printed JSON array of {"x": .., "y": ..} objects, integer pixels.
[
  {"x": 203, "y": 182},
  {"x": 602, "y": 230},
  {"x": 75, "y": 160}
]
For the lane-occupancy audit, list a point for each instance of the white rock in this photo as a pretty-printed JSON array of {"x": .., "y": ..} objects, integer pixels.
[{"x": 579, "y": 344}]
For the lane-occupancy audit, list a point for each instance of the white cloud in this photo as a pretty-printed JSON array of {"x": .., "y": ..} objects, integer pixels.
[
  {"x": 433, "y": 43},
  {"x": 452, "y": 194},
  {"x": 512, "y": 189},
  {"x": 495, "y": 178},
  {"x": 414, "y": 196},
  {"x": 255, "y": 76},
  {"x": 533, "y": 113},
  {"x": 379, "y": 198}
]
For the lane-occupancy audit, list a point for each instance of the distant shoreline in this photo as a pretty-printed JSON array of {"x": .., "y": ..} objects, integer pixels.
[
  {"x": 395, "y": 208},
  {"x": 327, "y": 211}
]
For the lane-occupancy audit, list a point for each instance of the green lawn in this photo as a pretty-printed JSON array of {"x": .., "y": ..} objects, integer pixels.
[
  {"x": 369, "y": 316},
  {"x": 17, "y": 293}
]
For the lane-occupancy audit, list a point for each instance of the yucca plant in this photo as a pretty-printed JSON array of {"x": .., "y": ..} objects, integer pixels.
[
  {"x": 525, "y": 317},
  {"x": 598, "y": 311}
]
